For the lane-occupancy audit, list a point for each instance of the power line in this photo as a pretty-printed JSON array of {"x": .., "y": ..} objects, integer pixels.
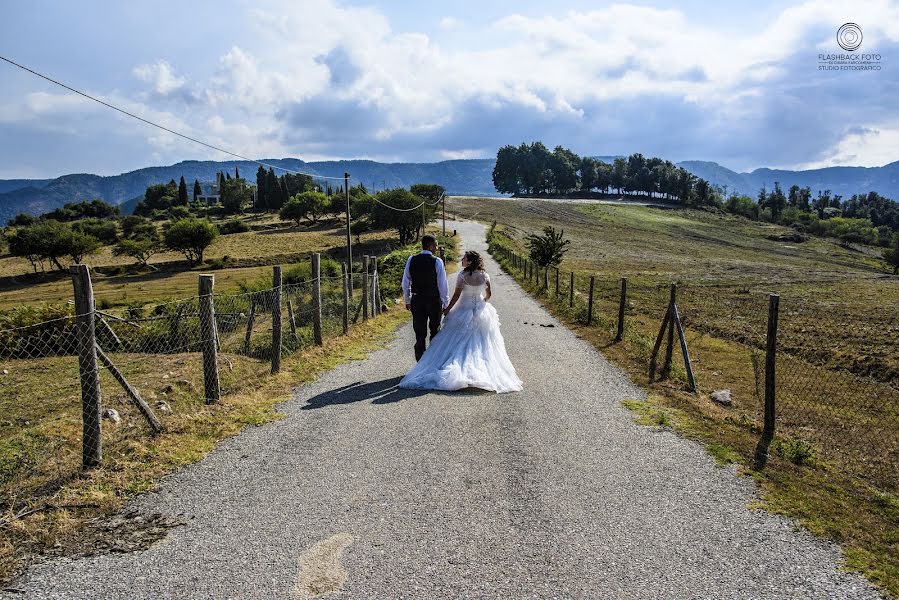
[
  {"x": 157, "y": 125},
  {"x": 195, "y": 140}
]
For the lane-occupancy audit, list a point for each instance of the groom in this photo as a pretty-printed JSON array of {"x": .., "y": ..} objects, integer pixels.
[{"x": 425, "y": 291}]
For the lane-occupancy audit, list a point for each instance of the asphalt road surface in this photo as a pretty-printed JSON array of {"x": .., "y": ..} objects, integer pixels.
[{"x": 368, "y": 491}]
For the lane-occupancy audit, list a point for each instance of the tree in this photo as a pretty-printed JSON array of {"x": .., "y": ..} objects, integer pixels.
[
  {"x": 619, "y": 174},
  {"x": 198, "y": 190},
  {"x": 506, "y": 171},
  {"x": 235, "y": 195},
  {"x": 312, "y": 205},
  {"x": 27, "y": 242},
  {"x": 891, "y": 255},
  {"x": 140, "y": 249},
  {"x": 406, "y": 222},
  {"x": 294, "y": 211},
  {"x": 564, "y": 165},
  {"x": 272, "y": 190},
  {"x": 21, "y": 220},
  {"x": 104, "y": 230},
  {"x": 157, "y": 197},
  {"x": 359, "y": 227},
  {"x": 191, "y": 237},
  {"x": 182, "y": 192},
  {"x": 548, "y": 249},
  {"x": 52, "y": 240},
  {"x": 261, "y": 196},
  {"x": 78, "y": 245}
]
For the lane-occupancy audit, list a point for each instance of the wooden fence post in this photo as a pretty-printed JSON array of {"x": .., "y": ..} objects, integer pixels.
[
  {"x": 669, "y": 348},
  {"x": 208, "y": 333},
  {"x": 557, "y": 282},
  {"x": 346, "y": 299},
  {"x": 250, "y": 318},
  {"x": 590, "y": 300},
  {"x": 761, "y": 451},
  {"x": 621, "y": 304},
  {"x": 571, "y": 291},
  {"x": 546, "y": 278},
  {"x": 365, "y": 288},
  {"x": 89, "y": 371},
  {"x": 375, "y": 296},
  {"x": 276, "y": 318},
  {"x": 317, "y": 299}
]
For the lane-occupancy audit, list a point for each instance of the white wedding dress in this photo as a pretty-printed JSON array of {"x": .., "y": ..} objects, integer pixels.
[{"x": 469, "y": 350}]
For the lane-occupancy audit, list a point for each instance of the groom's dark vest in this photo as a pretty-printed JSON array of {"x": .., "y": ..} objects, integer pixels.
[{"x": 423, "y": 275}]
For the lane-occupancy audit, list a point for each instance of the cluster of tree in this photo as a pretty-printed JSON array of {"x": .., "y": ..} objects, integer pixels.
[
  {"x": 50, "y": 241},
  {"x": 163, "y": 196},
  {"x": 863, "y": 218},
  {"x": 273, "y": 192},
  {"x": 533, "y": 170}
]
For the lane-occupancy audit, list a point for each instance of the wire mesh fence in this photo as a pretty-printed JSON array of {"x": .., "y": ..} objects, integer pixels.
[
  {"x": 78, "y": 389},
  {"x": 834, "y": 375}
]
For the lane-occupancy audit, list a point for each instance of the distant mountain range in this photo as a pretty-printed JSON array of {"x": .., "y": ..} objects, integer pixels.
[{"x": 459, "y": 177}]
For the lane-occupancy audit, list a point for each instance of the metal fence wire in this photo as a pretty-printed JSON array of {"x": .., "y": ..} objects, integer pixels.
[
  {"x": 835, "y": 375},
  {"x": 78, "y": 387}
]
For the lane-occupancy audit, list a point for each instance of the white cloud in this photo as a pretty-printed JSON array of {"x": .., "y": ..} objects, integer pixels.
[
  {"x": 872, "y": 146},
  {"x": 161, "y": 75},
  {"x": 319, "y": 79},
  {"x": 449, "y": 23}
]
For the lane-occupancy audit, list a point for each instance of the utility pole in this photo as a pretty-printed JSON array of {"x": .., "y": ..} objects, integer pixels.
[
  {"x": 443, "y": 197},
  {"x": 349, "y": 241}
]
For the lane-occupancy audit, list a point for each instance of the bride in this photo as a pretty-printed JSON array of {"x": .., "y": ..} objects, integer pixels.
[{"x": 469, "y": 351}]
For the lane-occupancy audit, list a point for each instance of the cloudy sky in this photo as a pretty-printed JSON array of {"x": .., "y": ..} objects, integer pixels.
[{"x": 732, "y": 82}]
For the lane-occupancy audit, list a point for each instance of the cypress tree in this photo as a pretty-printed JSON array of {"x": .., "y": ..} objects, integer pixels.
[
  {"x": 262, "y": 198},
  {"x": 182, "y": 192}
]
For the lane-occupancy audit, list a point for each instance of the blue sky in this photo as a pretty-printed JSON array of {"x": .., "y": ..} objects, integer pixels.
[{"x": 732, "y": 82}]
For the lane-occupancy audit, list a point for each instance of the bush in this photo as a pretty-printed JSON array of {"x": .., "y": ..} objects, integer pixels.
[
  {"x": 548, "y": 249},
  {"x": 178, "y": 212},
  {"x": 233, "y": 226},
  {"x": 104, "y": 230}
]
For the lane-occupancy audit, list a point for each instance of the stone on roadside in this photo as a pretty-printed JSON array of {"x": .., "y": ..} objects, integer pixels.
[
  {"x": 163, "y": 406},
  {"x": 113, "y": 415},
  {"x": 722, "y": 397}
]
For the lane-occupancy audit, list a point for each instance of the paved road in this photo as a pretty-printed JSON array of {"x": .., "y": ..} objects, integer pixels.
[{"x": 383, "y": 493}]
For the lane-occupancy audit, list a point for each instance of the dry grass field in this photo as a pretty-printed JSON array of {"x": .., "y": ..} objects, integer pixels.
[{"x": 835, "y": 462}]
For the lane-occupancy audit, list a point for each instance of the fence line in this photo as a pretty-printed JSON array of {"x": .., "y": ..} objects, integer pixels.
[
  {"x": 213, "y": 343},
  {"x": 801, "y": 397}
]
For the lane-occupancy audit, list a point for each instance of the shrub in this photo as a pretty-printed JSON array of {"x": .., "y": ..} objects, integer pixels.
[
  {"x": 233, "y": 226},
  {"x": 104, "y": 230},
  {"x": 548, "y": 249}
]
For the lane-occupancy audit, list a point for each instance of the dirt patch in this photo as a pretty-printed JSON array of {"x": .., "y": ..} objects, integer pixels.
[
  {"x": 129, "y": 531},
  {"x": 321, "y": 572}
]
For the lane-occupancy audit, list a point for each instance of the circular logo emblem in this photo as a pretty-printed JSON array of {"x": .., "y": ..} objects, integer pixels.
[{"x": 849, "y": 37}]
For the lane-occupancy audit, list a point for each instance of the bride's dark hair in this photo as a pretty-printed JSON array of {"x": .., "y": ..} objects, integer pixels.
[{"x": 475, "y": 262}]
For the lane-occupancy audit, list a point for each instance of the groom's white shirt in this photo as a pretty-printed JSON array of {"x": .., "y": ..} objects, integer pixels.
[{"x": 441, "y": 281}]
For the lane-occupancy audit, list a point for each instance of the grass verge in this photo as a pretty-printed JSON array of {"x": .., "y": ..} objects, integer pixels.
[{"x": 69, "y": 500}]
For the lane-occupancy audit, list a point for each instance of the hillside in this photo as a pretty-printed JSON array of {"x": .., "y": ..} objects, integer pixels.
[
  {"x": 38, "y": 196},
  {"x": 460, "y": 177}
]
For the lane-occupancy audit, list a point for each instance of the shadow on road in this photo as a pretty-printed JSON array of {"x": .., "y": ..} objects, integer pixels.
[{"x": 377, "y": 392}]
